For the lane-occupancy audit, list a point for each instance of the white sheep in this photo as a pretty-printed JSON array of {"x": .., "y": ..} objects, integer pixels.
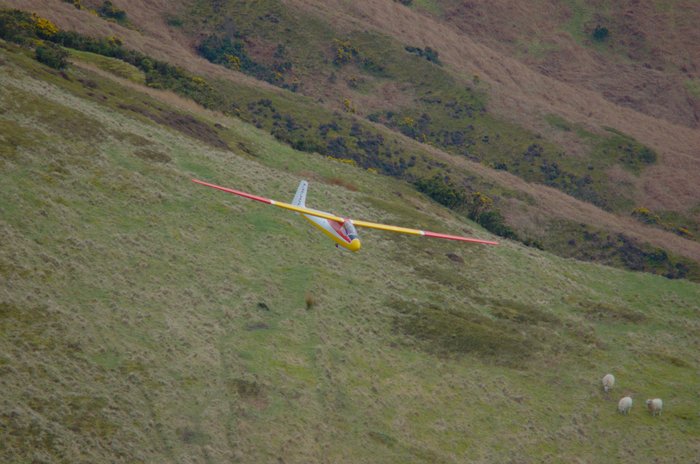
[
  {"x": 625, "y": 405},
  {"x": 608, "y": 382},
  {"x": 655, "y": 406}
]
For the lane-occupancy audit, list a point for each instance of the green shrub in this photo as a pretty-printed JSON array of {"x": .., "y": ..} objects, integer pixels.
[
  {"x": 345, "y": 52},
  {"x": 646, "y": 155},
  {"x": 52, "y": 55},
  {"x": 108, "y": 10},
  {"x": 645, "y": 215},
  {"x": 19, "y": 26},
  {"x": 432, "y": 55},
  {"x": 76, "y": 3},
  {"x": 494, "y": 222},
  {"x": 479, "y": 207},
  {"x": 429, "y": 54},
  {"x": 441, "y": 191},
  {"x": 600, "y": 33},
  {"x": 232, "y": 54},
  {"x": 174, "y": 21}
]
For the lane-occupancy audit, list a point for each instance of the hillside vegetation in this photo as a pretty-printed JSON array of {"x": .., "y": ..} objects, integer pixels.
[
  {"x": 392, "y": 105},
  {"x": 147, "y": 319}
]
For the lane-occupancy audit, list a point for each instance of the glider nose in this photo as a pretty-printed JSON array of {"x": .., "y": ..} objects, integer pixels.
[{"x": 355, "y": 244}]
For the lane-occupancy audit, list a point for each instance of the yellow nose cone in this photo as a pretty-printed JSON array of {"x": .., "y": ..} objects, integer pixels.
[{"x": 355, "y": 244}]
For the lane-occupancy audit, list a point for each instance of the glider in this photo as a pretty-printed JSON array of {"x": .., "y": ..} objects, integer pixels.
[{"x": 341, "y": 230}]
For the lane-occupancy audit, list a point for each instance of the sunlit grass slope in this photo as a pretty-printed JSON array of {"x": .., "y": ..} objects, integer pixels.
[{"x": 144, "y": 318}]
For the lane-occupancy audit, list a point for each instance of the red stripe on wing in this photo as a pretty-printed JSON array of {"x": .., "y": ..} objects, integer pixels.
[
  {"x": 235, "y": 192},
  {"x": 455, "y": 237}
]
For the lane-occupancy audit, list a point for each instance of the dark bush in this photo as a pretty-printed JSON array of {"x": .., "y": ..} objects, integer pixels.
[
  {"x": 429, "y": 54},
  {"x": 232, "y": 54},
  {"x": 600, "y": 33},
  {"x": 647, "y": 155},
  {"x": 174, "y": 21},
  {"x": 16, "y": 26},
  {"x": 432, "y": 55},
  {"x": 494, "y": 222},
  {"x": 442, "y": 192},
  {"x": 108, "y": 10},
  {"x": 52, "y": 55}
]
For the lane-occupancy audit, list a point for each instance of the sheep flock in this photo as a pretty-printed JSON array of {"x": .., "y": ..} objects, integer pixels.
[{"x": 625, "y": 404}]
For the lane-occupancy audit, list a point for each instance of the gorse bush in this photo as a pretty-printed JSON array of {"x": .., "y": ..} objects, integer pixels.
[
  {"x": 443, "y": 192},
  {"x": 344, "y": 52},
  {"x": 20, "y": 26},
  {"x": 24, "y": 28},
  {"x": 232, "y": 54},
  {"x": 645, "y": 215},
  {"x": 478, "y": 207}
]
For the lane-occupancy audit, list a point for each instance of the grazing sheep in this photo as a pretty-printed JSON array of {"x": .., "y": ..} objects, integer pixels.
[
  {"x": 608, "y": 382},
  {"x": 625, "y": 405},
  {"x": 655, "y": 406}
]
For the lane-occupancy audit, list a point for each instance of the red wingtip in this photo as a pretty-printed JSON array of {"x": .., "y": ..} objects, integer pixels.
[
  {"x": 235, "y": 192},
  {"x": 461, "y": 239}
]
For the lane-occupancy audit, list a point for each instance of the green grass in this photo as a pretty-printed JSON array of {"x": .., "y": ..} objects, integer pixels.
[
  {"x": 112, "y": 65},
  {"x": 149, "y": 319},
  {"x": 430, "y": 6},
  {"x": 693, "y": 87},
  {"x": 580, "y": 14},
  {"x": 559, "y": 122},
  {"x": 536, "y": 48}
]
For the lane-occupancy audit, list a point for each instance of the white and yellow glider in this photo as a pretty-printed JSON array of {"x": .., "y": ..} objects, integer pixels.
[{"x": 341, "y": 230}]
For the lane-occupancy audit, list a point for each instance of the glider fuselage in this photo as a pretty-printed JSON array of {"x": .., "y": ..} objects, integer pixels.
[{"x": 340, "y": 233}]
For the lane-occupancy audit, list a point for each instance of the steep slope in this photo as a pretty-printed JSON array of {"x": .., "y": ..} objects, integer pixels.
[
  {"x": 615, "y": 183},
  {"x": 641, "y": 55},
  {"x": 146, "y": 319},
  {"x": 526, "y": 96}
]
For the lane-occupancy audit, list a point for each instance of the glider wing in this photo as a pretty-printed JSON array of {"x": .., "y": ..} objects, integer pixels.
[
  {"x": 424, "y": 233},
  {"x": 321, "y": 214},
  {"x": 279, "y": 204}
]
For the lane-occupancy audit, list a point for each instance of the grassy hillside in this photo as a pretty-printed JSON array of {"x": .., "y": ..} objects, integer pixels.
[
  {"x": 147, "y": 319},
  {"x": 441, "y": 111}
]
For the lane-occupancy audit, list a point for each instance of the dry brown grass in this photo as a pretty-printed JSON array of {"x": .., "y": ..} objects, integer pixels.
[
  {"x": 660, "y": 46},
  {"x": 342, "y": 183},
  {"x": 523, "y": 95}
]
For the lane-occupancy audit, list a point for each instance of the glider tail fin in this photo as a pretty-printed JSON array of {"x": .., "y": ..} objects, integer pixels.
[{"x": 300, "y": 197}]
